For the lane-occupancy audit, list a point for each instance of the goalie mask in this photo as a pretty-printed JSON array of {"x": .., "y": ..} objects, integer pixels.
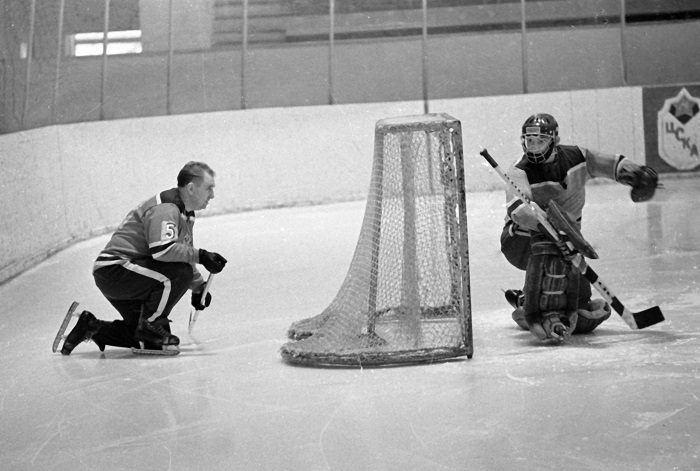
[{"x": 540, "y": 135}]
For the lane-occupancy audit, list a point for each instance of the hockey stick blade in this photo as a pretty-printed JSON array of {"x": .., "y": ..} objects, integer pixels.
[
  {"x": 641, "y": 319},
  {"x": 648, "y": 317}
]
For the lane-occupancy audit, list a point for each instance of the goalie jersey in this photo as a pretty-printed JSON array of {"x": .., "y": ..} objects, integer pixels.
[
  {"x": 563, "y": 179},
  {"x": 159, "y": 228}
]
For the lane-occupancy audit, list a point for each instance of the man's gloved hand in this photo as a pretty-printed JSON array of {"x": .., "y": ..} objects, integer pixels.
[
  {"x": 198, "y": 303},
  {"x": 212, "y": 261},
  {"x": 643, "y": 179}
]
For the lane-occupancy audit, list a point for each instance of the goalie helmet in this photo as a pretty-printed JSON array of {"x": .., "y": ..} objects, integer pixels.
[{"x": 540, "y": 135}]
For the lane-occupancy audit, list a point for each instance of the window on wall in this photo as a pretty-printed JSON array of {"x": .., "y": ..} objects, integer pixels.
[{"x": 92, "y": 44}]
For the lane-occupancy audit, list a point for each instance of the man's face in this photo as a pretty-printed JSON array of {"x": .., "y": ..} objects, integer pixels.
[
  {"x": 537, "y": 143},
  {"x": 201, "y": 191}
]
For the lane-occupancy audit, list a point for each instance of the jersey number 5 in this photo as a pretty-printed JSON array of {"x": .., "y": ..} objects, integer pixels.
[{"x": 168, "y": 230}]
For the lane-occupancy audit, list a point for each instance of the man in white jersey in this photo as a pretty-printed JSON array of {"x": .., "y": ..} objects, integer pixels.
[
  {"x": 149, "y": 264},
  {"x": 556, "y": 298}
]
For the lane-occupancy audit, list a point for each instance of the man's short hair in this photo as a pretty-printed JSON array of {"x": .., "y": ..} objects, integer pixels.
[{"x": 191, "y": 171}]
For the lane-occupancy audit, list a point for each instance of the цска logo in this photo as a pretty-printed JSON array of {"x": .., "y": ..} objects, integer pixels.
[{"x": 679, "y": 131}]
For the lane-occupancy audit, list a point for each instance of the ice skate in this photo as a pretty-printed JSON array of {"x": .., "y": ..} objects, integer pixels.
[
  {"x": 516, "y": 299},
  {"x": 83, "y": 331},
  {"x": 154, "y": 338},
  {"x": 156, "y": 333}
]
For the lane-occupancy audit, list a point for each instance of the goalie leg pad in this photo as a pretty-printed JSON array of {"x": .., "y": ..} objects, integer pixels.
[
  {"x": 595, "y": 314},
  {"x": 550, "y": 291},
  {"x": 519, "y": 318}
]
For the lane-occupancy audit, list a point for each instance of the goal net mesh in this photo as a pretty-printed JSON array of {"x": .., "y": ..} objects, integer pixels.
[{"x": 406, "y": 294}]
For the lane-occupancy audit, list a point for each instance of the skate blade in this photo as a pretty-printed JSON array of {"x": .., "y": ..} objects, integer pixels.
[
  {"x": 166, "y": 350},
  {"x": 62, "y": 330}
]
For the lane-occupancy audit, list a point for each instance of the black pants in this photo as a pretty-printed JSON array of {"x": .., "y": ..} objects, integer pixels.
[
  {"x": 141, "y": 287},
  {"x": 515, "y": 245}
]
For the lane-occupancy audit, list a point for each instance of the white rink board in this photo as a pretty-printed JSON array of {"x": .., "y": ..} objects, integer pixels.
[{"x": 81, "y": 179}]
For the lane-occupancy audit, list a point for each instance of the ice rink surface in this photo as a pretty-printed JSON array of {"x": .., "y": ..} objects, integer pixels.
[{"x": 614, "y": 400}]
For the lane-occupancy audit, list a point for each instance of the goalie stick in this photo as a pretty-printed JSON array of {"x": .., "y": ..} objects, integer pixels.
[
  {"x": 195, "y": 314},
  {"x": 635, "y": 320}
]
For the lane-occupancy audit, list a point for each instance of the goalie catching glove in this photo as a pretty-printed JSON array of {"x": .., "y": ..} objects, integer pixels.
[{"x": 643, "y": 179}]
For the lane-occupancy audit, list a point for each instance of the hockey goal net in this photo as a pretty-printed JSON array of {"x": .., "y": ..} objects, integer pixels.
[{"x": 406, "y": 295}]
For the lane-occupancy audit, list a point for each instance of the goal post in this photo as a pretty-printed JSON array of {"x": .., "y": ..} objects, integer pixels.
[{"x": 406, "y": 297}]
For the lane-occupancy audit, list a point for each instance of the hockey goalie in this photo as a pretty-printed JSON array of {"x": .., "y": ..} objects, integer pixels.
[{"x": 556, "y": 300}]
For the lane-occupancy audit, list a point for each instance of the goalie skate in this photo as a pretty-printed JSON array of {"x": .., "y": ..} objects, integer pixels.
[
  {"x": 61, "y": 334},
  {"x": 160, "y": 350}
]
